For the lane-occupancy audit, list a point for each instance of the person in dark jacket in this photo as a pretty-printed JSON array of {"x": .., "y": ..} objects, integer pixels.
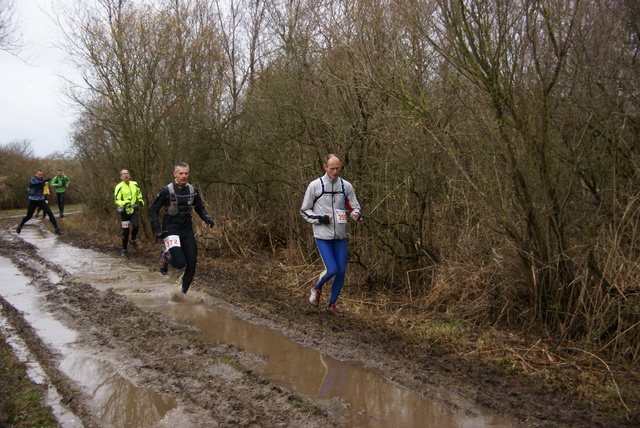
[
  {"x": 179, "y": 200},
  {"x": 37, "y": 199}
]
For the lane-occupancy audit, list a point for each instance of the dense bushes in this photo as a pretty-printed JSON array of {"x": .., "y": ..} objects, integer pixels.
[{"x": 493, "y": 145}]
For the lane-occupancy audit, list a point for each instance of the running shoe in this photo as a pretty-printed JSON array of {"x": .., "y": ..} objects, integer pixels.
[
  {"x": 314, "y": 298},
  {"x": 164, "y": 262},
  {"x": 58, "y": 231},
  {"x": 123, "y": 253},
  {"x": 331, "y": 308},
  {"x": 134, "y": 244},
  {"x": 18, "y": 230}
]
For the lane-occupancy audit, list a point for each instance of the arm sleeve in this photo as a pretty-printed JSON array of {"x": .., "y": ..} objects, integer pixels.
[
  {"x": 198, "y": 206},
  {"x": 351, "y": 201},
  {"x": 306, "y": 210},
  {"x": 117, "y": 196},
  {"x": 139, "y": 195},
  {"x": 155, "y": 210}
]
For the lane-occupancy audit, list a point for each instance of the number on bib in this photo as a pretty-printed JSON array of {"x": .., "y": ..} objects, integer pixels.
[
  {"x": 171, "y": 241},
  {"x": 341, "y": 216}
]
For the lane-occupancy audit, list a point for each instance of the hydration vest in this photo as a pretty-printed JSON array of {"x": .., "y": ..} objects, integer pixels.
[
  {"x": 174, "y": 209},
  {"x": 344, "y": 194}
]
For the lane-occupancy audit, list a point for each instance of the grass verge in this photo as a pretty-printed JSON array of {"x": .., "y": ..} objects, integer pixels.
[{"x": 21, "y": 401}]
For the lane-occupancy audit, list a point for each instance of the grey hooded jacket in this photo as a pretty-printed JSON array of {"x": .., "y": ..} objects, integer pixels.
[{"x": 323, "y": 197}]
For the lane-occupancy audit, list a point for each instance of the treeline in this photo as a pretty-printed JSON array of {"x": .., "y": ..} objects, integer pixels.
[
  {"x": 18, "y": 163},
  {"x": 493, "y": 144}
]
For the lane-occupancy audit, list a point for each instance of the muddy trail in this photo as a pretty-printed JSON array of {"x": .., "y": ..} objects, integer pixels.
[{"x": 118, "y": 346}]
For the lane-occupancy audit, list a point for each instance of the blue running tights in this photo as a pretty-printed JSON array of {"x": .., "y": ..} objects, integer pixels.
[{"x": 334, "y": 256}]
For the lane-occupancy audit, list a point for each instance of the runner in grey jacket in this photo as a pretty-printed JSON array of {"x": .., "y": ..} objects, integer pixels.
[
  {"x": 325, "y": 206},
  {"x": 322, "y": 198}
]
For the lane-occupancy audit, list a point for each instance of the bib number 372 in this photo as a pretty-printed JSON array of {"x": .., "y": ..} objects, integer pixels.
[{"x": 171, "y": 241}]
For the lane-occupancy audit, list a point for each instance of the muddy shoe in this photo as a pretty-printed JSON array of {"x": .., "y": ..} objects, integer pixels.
[
  {"x": 123, "y": 253},
  {"x": 314, "y": 297},
  {"x": 164, "y": 262},
  {"x": 179, "y": 297},
  {"x": 18, "y": 230},
  {"x": 134, "y": 244},
  {"x": 58, "y": 231},
  {"x": 331, "y": 308}
]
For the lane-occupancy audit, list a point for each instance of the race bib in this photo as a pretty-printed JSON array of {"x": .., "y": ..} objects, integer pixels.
[
  {"x": 125, "y": 224},
  {"x": 171, "y": 241},
  {"x": 341, "y": 216}
]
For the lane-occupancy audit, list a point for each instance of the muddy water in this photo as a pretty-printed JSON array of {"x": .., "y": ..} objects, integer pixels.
[
  {"x": 114, "y": 400},
  {"x": 365, "y": 395}
]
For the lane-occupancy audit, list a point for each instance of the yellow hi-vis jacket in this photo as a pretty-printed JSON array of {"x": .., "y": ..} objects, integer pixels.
[{"x": 128, "y": 196}]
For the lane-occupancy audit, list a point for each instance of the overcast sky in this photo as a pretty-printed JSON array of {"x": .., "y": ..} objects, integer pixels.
[{"x": 32, "y": 106}]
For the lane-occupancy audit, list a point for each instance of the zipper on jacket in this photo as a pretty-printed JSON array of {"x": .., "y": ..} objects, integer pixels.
[{"x": 333, "y": 208}]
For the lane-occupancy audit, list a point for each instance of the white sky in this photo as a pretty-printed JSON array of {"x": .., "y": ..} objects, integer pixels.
[{"x": 32, "y": 106}]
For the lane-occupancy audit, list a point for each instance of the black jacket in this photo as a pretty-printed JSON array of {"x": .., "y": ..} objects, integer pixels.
[{"x": 182, "y": 221}]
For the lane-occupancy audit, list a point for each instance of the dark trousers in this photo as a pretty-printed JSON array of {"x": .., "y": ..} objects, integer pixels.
[
  {"x": 134, "y": 226},
  {"x": 38, "y": 209},
  {"x": 185, "y": 255},
  {"x": 61, "y": 202},
  {"x": 44, "y": 206}
]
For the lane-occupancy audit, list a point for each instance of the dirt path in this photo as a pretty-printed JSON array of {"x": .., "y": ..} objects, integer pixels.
[
  {"x": 159, "y": 355},
  {"x": 165, "y": 357}
]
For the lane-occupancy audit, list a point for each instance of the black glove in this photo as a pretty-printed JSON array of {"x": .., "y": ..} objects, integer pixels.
[
  {"x": 158, "y": 235},
  {"x": 209, "y": 221},
  {"x": 324, "y": 219}
]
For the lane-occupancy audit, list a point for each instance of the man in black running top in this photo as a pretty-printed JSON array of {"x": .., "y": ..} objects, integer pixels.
[{"x": 179, "y": 200}]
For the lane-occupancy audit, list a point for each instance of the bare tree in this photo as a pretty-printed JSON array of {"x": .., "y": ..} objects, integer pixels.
[
  {"x": 10, "y": 39},
  {"x": 152, "y": 81}
]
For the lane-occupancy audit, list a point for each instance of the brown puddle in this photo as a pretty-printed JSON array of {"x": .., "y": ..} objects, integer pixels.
[
  {"x": 370, "y": 399},
  {"x": 114, "y": 400}
]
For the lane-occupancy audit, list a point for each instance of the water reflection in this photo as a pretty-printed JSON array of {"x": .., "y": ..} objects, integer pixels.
[
  {"x": 372, "y": 400},
  {"x": 114, "y": 400},
  {"x": 334, "y": 382}
]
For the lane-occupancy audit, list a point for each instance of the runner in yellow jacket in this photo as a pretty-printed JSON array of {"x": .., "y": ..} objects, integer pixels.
[{"x": 128, "y": 197}]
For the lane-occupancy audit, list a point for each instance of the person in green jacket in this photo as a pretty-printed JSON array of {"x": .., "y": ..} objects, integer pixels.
[
  {"x": 60, "y": 182},
  {"x": 128, "y": 198}
]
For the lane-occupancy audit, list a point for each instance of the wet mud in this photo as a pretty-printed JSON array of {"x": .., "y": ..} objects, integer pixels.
[
  {"x": 121, "y": 348},
  {"x": 112, "y": 362}
]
